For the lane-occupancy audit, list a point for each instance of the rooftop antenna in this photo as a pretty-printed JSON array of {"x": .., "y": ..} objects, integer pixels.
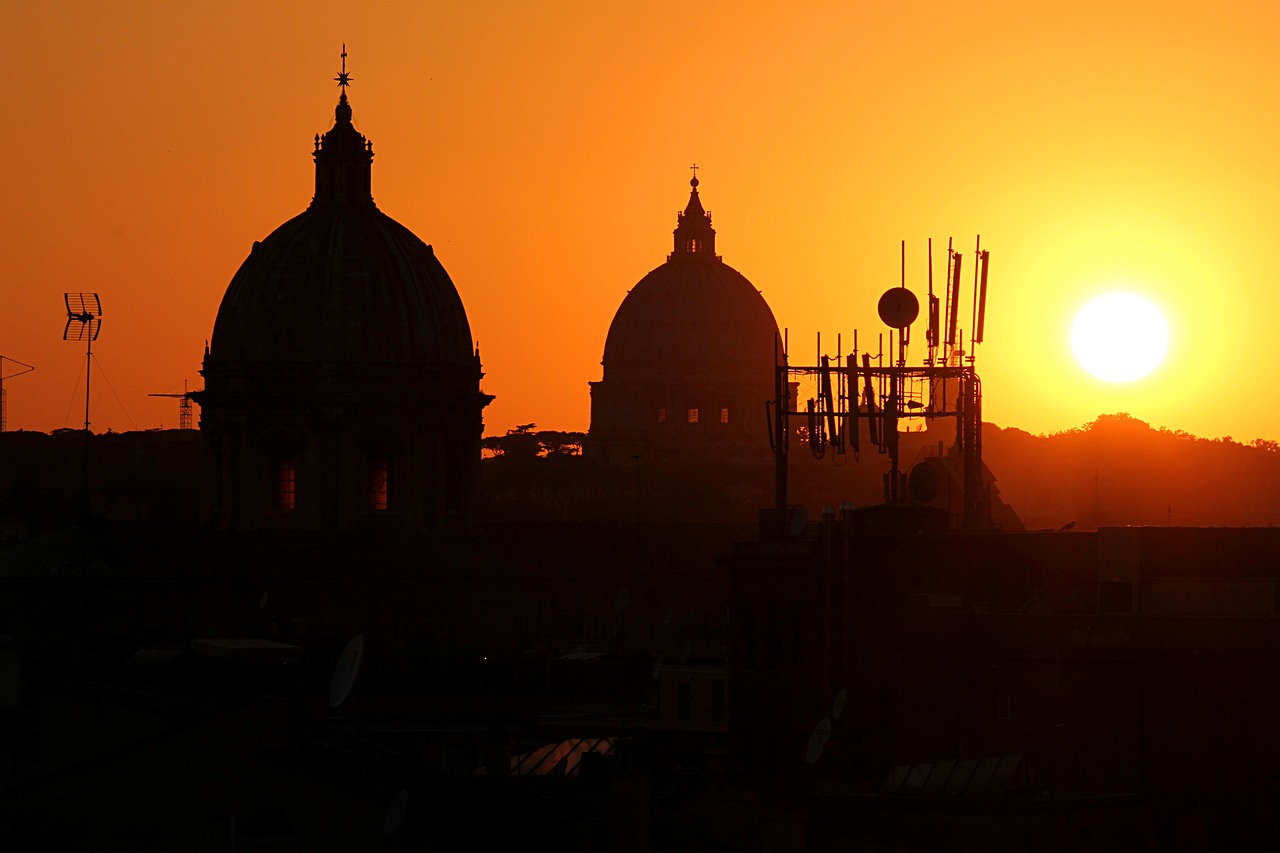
[
  {"x": 932, "y": 334},
  {"x": 953, "y": 291},
  {"x": 84, "y": 323},
  {"x": 4, "y": 405},
  {"x": 184, "y": 405}
]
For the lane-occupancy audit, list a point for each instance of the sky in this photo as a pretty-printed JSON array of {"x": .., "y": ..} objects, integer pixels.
[{"x": 544, "y": 148}]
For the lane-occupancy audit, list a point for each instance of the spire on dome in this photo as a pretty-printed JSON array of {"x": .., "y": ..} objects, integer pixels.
[
  {"x": 694, "y": 234},
  {"x": 343, "y": 156},
  {"x": 343, "y": 78}
]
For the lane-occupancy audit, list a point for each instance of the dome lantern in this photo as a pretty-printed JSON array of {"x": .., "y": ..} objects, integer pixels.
[
  {"x": 694, "y": 234},
  {"x": 344, "y": 158}
]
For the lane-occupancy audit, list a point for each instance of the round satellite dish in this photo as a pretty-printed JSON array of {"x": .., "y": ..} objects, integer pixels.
[
  {"x": 818, "y": 741},
  {"x": 262, "y": 600},
  {"x": 898, "y": 307},
  {"x": 923, "y": 483},
  {"x": 657, "y": 667},
  {"x": 346, "y": 671},
  {"x": 396, "y": 810},
  {"x": 837, "y": 704},
  {"x": 799, "y": 520}
]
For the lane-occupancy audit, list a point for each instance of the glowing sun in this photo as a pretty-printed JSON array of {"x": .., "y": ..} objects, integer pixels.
[{"x": 1119, "y": 337}]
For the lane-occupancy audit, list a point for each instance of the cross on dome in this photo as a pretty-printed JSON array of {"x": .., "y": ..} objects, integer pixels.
[{"x": 343, "y": 78}]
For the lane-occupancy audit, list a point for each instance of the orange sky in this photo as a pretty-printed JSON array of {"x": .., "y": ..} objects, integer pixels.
[{"x": 543, "y": 149}]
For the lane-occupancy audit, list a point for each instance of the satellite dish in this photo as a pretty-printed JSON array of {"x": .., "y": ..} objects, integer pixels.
[
  {"x": 799, "y": 520},
  {"x": 923, "y": 484},
  {"x": 818, "y": 741},
  {"x": 396, "y": 810},
  {"x": 837, "y": 704},
  {"x": 898, "y": 307},
  {"x": 262, "y": 600},
  {"x": 346, "y": 671},
  {"x": 657, "y": 667}
]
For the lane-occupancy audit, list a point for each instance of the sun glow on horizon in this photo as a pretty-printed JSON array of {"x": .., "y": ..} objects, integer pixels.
[{"x": 1120, "y": 337}]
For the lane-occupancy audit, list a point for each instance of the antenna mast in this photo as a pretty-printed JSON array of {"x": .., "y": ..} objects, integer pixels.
[{"x": 84, "y": 323}]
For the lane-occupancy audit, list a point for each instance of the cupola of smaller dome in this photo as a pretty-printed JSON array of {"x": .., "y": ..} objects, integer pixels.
[{"x": 694, "y": 234}]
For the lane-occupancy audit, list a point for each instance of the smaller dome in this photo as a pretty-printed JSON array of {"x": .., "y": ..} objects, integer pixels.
[{"x": 694, "y": 314}]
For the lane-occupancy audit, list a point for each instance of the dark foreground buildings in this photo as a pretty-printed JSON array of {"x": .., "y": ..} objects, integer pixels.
[{"x": 875, "y": 680}]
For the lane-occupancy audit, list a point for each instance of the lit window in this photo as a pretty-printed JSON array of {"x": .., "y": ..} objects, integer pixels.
[
  {"x": 724, "y": 416},
  {"x": 286, "y": 482},
  {"x": 378, "y": 475},
  {"x": 693, "y": 416},
  {"x": 662, "y": 416}
]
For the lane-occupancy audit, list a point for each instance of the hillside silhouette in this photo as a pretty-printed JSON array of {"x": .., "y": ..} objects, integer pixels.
[
  {"x": 1119, "y": 470},
  {"x": 1114, "y": 471}
]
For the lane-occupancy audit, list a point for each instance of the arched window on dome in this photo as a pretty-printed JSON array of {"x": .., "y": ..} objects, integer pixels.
[
  {"x": 724, "y": 415},
  {"x": 379, "y": 483},
  {"x": 693, "y": 244},
  {"x": 662, "y": 415},
  {"x": 693, "y": 416}
]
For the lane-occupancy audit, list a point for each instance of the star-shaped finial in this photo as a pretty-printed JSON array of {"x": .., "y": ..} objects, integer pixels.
[{"x": 343, "y": 78}]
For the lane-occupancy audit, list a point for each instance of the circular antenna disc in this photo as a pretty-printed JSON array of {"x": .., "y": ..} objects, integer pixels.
[
  {"x": 346, "y": 671},
  {"x": 396, "y": 810},
  {"x": 898, "y": 307},
  {"x": 818, "y": 741},
  {"x": 837, "y": 704}
]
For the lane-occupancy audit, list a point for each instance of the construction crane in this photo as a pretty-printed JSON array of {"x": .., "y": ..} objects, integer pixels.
[
  {"x": 4, "y": 403},
  {"x": 184, "y": 405}
]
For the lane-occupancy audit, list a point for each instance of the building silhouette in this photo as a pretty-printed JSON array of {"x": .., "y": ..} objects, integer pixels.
[
  {"x": 341, "y": 384},
  {"x": 688, "y": 360}
]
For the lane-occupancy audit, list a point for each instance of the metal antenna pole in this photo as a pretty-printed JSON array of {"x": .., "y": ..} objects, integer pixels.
[
  {"x": 84, "y": 322},
  {"x": 88, "y": 372}
]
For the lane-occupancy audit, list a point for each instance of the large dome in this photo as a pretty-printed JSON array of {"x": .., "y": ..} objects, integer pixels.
[
  {"x": 342, "y": 282},
  {"x": 346, "y": 285},
  {"x": 693, "y": 314},
  {"x": 341, "y": 384}
]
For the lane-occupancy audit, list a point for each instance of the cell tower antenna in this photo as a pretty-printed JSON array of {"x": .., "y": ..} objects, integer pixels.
[
  {"x": 4, "y": 403},
  {"x": 184, "y": 406}
]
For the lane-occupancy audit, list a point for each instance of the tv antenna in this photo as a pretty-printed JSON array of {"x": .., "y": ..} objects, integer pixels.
[
  {"x": 84, "y": 323},
  {"x": 4, "y": 405},
  {"x": 184, "y": 405}
]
